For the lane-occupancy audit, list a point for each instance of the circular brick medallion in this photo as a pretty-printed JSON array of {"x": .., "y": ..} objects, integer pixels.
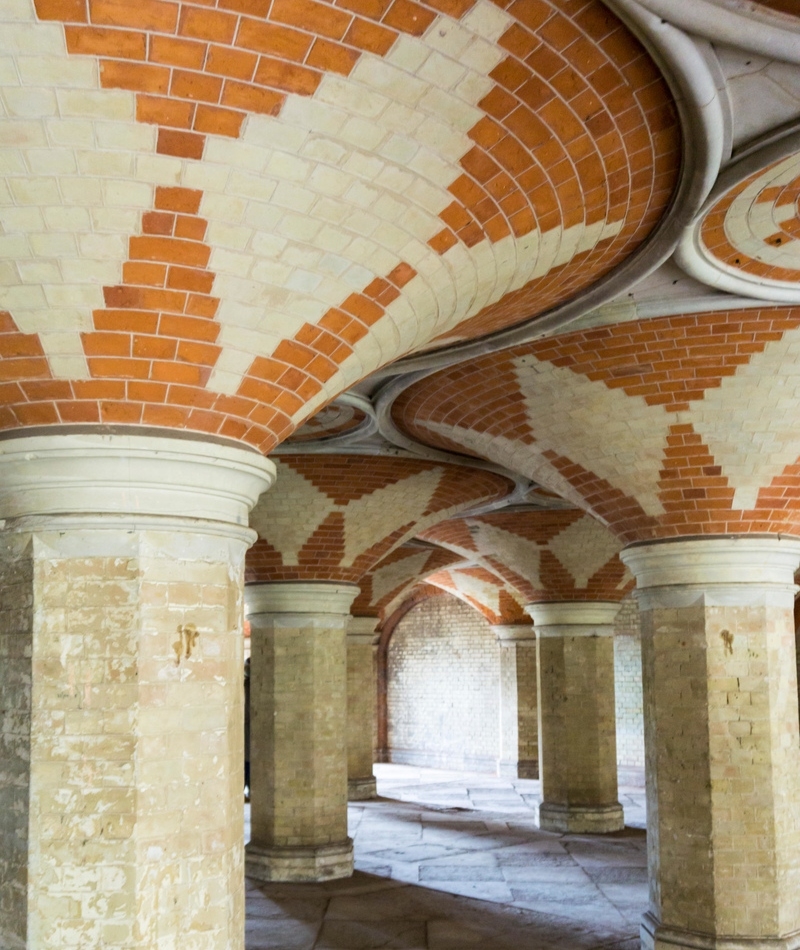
[{"x": 747, "y": 240}]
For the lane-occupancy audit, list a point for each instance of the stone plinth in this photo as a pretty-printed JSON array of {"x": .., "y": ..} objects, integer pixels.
[
  {"x": 578, "y": 753},
  {"x": 298, "y": 731},
  {"x": 722, "y": 742},
  {"x": 121, "y": 657},
  {"x": 519, "y": 714},
  {"x": 361, "y": 704}
]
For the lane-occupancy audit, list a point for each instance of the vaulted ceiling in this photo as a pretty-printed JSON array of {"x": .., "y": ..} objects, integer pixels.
[{"x": 550, "y": 243}]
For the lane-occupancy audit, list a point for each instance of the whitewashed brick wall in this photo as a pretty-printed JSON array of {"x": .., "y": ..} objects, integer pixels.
[
  {"x": 444, "y": 688},
  {"x": 628, "y": 689}
]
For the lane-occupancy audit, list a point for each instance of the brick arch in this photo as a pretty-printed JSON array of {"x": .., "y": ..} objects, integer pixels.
[
  {"x": 670, "y": 427},
  {"x": 567, "y": 155}
]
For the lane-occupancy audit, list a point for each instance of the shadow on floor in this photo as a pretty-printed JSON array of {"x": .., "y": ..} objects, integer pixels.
[
  {"x": 452, "y": 861},
  {"x": 368, "y": 912}
]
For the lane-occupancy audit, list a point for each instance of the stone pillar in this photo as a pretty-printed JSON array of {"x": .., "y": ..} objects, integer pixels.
[
  {"x": 577, "y": 717},
  {"x": 722, "y": 742},
  {"x": 361, "y": 703},
  {"x": 519, "y": 713},
  {"x": 298, "y": 731},
  {"x": 122, "y": 561}
]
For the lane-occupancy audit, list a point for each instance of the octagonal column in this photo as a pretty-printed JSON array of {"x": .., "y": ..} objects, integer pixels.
[
  {"x": 519, "y": 713},
  {"x": 361, "y": 708},
  {"x": 578, "y": 753},
  {"x": 298, "y": 730},
  {"x": 121, "y": 569},
  {"x": 722, "y": 742}
]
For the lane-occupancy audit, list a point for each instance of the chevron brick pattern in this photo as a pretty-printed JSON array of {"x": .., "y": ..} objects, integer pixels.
[
  {"x": 335, "y": 517},
  {"x": 670, "y": 427}
]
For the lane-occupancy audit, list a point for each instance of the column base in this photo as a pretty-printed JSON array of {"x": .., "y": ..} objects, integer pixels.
[
  {"x": 289, "y": 865},
  {"x": 524, "y": 768},
  {"x": 361, "y": 789},
  {"x": 581, "y": 819},
  {"x": 655, "y": 936}
]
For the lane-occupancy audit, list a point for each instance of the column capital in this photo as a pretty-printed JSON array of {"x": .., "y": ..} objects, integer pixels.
[
  {"x": 723, "y": 570},
  {"x": 104, "y": 479},
  {"x": 511, "y": 634},
  {"x": 299, "y": 597},
  {"x": 575, "y": 618},
  {"x": 361, "y": 630}
]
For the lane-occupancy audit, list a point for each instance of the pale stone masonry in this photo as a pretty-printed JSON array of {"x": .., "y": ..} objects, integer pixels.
[
  {"x": 519, "y": 712},
  {"x": 628, "y": 693},
  {"x": 16, "y": 633},
  {"x": 122, "y": 751},
  {"x": 723, "y": 749},
  {"x": 444, "y": 683},
  {"x": 361, "y": 708},
  {"x": 298, "y": 731},
  {"x": 578, "y": 754}
]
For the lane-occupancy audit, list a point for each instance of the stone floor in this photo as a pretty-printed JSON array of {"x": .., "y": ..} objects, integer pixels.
[{"x": 452, "y": 860}]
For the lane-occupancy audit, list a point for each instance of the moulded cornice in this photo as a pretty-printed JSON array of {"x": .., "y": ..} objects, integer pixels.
[
  {"x": 711, "y": 562},
  {"x": 591, "y": 618},
  {"x": 129, "y": 475},
  {"x": 299, "y": 597}
]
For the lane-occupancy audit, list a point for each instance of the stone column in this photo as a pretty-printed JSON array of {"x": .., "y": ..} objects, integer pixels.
[
  {"x": 722, "y": 742},
  {"x": 298, "y": 731},
  {"x": 578, "y": 751},
  {"x": 122, "y": 561},
  {"x": 361, "y": 703},
  {"x": 519, "y": 713}
]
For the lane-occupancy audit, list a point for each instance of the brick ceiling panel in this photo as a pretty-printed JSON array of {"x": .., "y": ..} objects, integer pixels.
[
  {"x": 542, "y": 555},
  {"x": 668, "y": 427},
  {"x": 388, "y": 582},
  {"x": 483, "y": 591},
  {"x": 335, "y": 517},
  {"x": 219, "y": 215}
]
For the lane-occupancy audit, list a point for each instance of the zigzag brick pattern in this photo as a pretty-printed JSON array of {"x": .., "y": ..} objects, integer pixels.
[
  {"x": 335, "y": 517},
  {"x": 387, "y": 584},
  {"x": 542, "y": 555},
  {"x": 640, "y": 423},
  {"x": 505, "y": 142},
  {"x": 483, "y": 591}
]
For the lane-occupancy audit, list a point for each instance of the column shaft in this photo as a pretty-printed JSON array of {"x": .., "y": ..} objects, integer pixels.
[
  {"x": 298, "y": 734},
  {"x": 121, "y": 700},
  {"x": 578, "y": 754},
  {"x": 361, "y": 708},
  {"x": 722, "y": 741}
]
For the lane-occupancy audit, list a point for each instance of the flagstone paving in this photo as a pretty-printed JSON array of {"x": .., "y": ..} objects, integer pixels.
[{"x": 451, "y": 860}]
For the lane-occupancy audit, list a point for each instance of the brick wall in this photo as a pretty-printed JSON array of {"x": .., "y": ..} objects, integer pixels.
[
  {"x": 628, "y": 689},
  {"x": 444, "y": 688},
  {"x": 443, "y": 672}
]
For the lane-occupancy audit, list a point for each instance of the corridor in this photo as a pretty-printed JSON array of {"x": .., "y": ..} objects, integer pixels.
[{"x": 451, "y": 860}]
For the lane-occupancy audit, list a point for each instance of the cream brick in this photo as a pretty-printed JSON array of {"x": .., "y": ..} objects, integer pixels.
[
  {"x": 24, "y": 133},
  {"x": 58, "y": 71},
  {"x": 106, "y": 104},
  {"x": 443, "y": 666},
  {"x": 53, "y": 161}
]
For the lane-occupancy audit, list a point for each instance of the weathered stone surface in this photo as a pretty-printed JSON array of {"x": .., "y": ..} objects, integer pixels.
[
  {"x": 361, "y": 702},
  {"x": 128, "y": 749},
  {"x": 298, "y": 703},
  {"x": 723, "y": 743}
]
